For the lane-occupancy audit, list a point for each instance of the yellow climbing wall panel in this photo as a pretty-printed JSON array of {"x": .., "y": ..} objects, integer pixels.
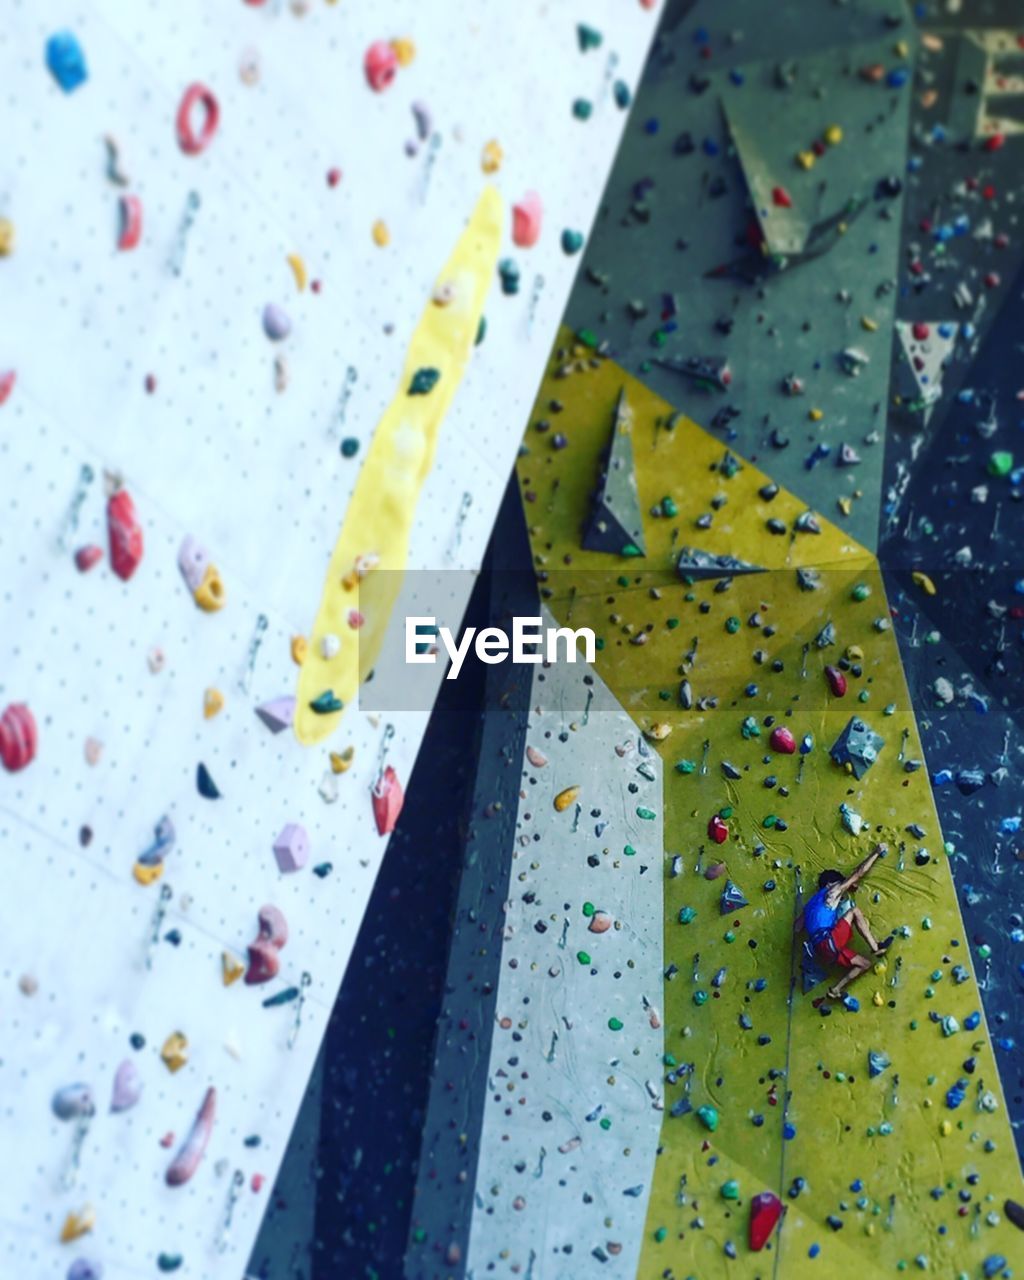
[
  {"x": 892, "y": 1178},
  {"x": 377, "y": 529}
]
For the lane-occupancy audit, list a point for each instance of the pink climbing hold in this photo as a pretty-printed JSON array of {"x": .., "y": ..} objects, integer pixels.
[
  {"x": 187, "y": 1161},
  {"x": 527, "y": 216},
  {"x": 7, "y": 381},
  {"x": 125, "y": 533},
  {"x": 88, "y": 557},
  {"x": 264, "y": 961},
  {"x": 782, "y": 740},
  {"x": 18, "y": 737},
  {"x": 380, "y": 65},
  {"x": 836, "y": 682},
  {"x": 717, "y": 830},
  {"x": 388, "y": 798},
  {"x": 765, "y": 1212}
]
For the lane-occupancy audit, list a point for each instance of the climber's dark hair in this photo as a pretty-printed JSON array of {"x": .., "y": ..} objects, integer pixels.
[{"x": 830, "y": 877}]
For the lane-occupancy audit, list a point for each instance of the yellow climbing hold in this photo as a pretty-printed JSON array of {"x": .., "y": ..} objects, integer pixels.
[
  {"x": 404, "y": 50},
  {"x": 213, "y": 703},
  {"x": 868, "y": 324},
  {"x": 924, "y": 582},
  {"x": 78, "y": 1224},
  {"x": 147, "y": 875},
  {"x": 381, "y": 234},
  {"x": 300, "y": 648},
  {"x": 805, "y": 159},
  {"x": 341, "y": 761},
  {"x": 815, "y": 415},
  {"x": 6, "y": 237},
  {"x": 175, "y": 1051},
  {"x": 210, "y": 595},
  {"x": 490, "y": 160},
  {"x": 565, "y": 798},
  {"x": 231, "y": 967},
  {"x": 833, "y": 135},
  {"x": 298, "y": 271},
  {"x": 378, "y": 524}
]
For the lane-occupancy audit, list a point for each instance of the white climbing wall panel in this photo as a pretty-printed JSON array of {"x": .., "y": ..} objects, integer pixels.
[{"x": 215, "y": 450}]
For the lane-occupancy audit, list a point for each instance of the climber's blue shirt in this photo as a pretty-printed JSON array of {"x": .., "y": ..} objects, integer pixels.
[{"x": 819, "y": 917}]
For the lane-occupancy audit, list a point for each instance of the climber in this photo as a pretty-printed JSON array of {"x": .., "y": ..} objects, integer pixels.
[{"x": 830, "y": 931}]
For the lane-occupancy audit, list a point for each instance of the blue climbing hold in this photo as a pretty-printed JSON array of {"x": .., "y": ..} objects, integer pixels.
[{"x": 66, "y": 60}]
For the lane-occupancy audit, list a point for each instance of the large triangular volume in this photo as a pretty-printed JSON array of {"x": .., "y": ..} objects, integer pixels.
[
  {"x": 922, "y": 352},
  {"x": 615, "y": 524}
]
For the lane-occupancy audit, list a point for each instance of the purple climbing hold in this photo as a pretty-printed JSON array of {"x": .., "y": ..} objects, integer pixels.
[
  {"x": 291, "y": 848},
  {"x": 278, "y": 713}
]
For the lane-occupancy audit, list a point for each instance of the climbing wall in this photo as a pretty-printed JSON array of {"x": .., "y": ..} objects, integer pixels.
[
  {"x": 553, "y": 1124},
  {"x": 748, "y": 642},
  {"x": 220, "y": 227}
]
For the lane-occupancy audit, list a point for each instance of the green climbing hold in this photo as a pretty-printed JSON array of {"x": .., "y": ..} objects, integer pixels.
[
  {"x": 1001, "y": 463},
  {"x": 169, "y": 1261},
  {"x": 630, "y": 549},
  {"x": 648, "y": 815},
  {"x": 750, "y": 728},
  {"x": 699, "y": 998},
  {"x": 326, "y": 703},
  {"x": 622, "y": 580},
  {"x": 661, "y": 1234},
  {"x": 582, "y": 109},
  {"x": 424, "y": 381},
  {"x": 769, "y": 821},
  {"x": 582, "y": 957},
  {"x": 669, "y": 508},
  {"x": 614, "y": 1024},
  {"x": 686, "y": 766},
  {"x": 732, "y": 625},
  {"x": 708, "y": 1117},
  {"x": 588, "y": 908},
  {"x": 572, "y": 241},
  {"x": 589, "y": 37},
  {"x": 731, "y": 1190},
  {"x": 860, "y": 592},
  {"x": 686, "y": 914},
  {"x": 481, "y": 331},
  {"x": 729, "y": 936},
  {"x": 726, "y": 812},
  {"x": 587, "y": 336},
  {"x": 629, "y": 851},
  {"x": 672, "y": 624},
  {"x": 349, "y": 447},
  {"x": 605, "y": 1123}
]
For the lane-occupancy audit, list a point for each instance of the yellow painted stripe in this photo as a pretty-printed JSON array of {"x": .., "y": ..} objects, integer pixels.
[{"x": 380, "y": 516}]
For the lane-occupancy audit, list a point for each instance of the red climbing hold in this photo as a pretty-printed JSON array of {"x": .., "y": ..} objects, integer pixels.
[
  {"x": 388, "y": 798},
  {"x": 836, "y": 682},
  {"x": 781, "y": 198},
  {"x": 782, "y": 740},
  {"x": 7, "y": 380},
  {"x": 920, "y": 331},
  {"x": 717, "y": 830},
  {"x": 765, "y": 1212},
  {"x": 18, "y": 737},
  {"x": 125, "y": 534}
]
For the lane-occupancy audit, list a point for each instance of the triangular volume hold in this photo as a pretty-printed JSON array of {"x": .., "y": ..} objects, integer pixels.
[{"x": 615, "y": 524}]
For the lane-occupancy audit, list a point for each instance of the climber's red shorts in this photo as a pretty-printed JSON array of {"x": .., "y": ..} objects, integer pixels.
[{"x": 833, "y": 949}]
